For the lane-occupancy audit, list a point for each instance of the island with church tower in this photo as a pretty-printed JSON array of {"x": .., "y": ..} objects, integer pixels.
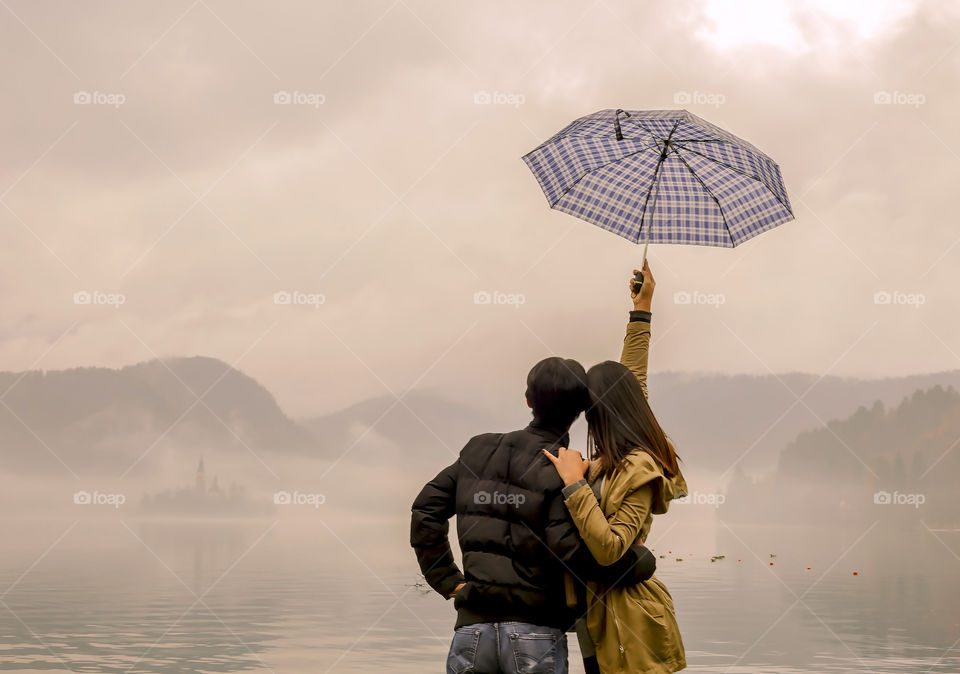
[{"x": 203, "y": 499}]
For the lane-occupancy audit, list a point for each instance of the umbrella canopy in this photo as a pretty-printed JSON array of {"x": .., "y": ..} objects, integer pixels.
[{"x": 661, "y": 176}]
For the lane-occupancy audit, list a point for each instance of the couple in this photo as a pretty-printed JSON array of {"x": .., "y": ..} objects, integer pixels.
[{"x": 552, "y": 542}]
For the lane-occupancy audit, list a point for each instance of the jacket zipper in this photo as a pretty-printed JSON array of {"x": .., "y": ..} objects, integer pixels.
[
  {"x": 616, "y": 620},
  {"x": 616, "y": 623}
]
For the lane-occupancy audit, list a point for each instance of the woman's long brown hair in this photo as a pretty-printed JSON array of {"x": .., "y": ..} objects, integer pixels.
[{"x": 620, "y": 420}]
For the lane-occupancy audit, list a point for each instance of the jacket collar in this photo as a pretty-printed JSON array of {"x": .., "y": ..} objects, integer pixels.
[{"x": 550, "y": 432}]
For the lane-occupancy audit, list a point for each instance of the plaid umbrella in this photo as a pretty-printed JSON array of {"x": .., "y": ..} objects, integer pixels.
[{"x": 661, "y": 176}]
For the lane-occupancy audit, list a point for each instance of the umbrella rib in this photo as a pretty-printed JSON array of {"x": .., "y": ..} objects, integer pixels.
[
  {"x": 592, "y": 136},
  {"x": 712, "y": 196},
  {"x": 656, "y": 182},
  {"x": 740, "y": 143},
  {"x": 741, "y": 172},
  {"x": 593, "y": 170},
  {"x": 693, "y": 124},
  {"x": 646, "y": 129}
]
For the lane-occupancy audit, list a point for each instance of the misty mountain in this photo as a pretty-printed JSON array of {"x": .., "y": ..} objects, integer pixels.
[
  {"x": 95, "y": 418},
  {"x": 854, "y": 468},
  {"x": 903, "y": 441},
  {"x": 716, "y": 419},
  {"x": 423, "y": 426},
  {"x": 99, "y": 417},
  {"x": 713, "y": 419}
]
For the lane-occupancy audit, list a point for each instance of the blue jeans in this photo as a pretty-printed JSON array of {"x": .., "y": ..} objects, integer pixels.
[{"x": 510, "y": 648}]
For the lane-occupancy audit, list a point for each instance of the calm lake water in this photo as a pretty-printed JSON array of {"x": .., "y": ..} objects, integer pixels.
[{"x": 328, "y": 593}]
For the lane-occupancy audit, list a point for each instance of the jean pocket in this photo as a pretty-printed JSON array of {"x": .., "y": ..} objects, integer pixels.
[
  {"x": 539, "y": 653},
  {"x": 463, "y": 651}
]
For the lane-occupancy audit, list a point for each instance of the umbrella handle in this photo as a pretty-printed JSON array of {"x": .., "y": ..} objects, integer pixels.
[{"x": 638, "y": 277}]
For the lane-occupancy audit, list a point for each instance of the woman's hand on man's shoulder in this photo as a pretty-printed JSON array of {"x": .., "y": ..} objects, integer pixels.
[{"x": 569, "y": 463}]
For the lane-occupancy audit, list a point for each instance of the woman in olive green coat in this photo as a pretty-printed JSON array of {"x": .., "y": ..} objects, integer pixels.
[{"x": 612, "y": 499}]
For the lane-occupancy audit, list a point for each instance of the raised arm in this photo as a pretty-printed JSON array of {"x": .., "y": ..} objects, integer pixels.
[{"x": 636, "y": 343}]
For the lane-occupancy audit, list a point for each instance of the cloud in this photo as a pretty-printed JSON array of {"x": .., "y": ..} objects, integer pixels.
[{"x": 399, "y": 198}]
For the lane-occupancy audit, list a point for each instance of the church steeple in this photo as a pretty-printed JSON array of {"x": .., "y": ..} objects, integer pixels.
[{"x": 201, "y": 478}]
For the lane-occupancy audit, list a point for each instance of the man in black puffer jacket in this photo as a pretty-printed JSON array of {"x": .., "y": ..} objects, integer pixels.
[{"x": 515, "y": 534}]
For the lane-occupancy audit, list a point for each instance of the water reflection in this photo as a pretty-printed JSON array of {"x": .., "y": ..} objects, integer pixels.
[{"x": 331, "y": 595}]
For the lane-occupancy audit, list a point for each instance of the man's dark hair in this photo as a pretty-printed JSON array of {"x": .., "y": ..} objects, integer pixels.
[{"x": 557, "y": 391}]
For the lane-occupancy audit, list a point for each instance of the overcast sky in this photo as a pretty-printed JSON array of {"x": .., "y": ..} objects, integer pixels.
[{"x": 150, "y": 155}]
